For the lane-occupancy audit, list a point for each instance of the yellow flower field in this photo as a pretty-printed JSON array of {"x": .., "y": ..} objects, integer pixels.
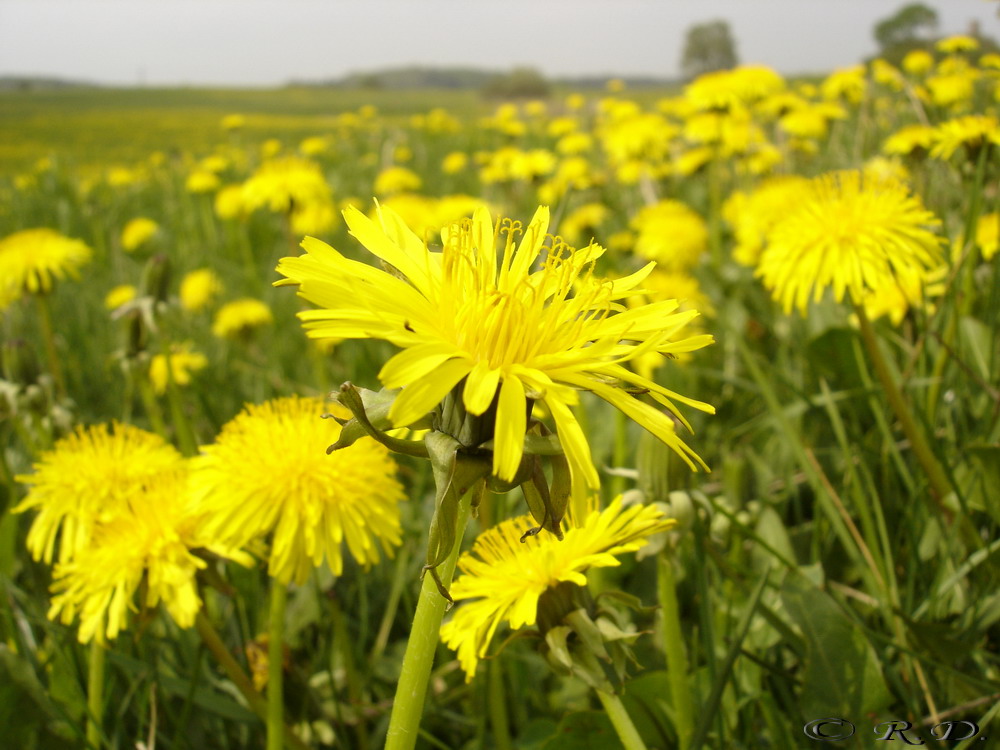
[{"x": 698, "y": 389}]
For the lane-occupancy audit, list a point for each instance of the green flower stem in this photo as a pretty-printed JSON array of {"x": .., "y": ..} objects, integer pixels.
[
  {"x": 185, "y": 435},
  {"x": 95, "y": 693},
  {"x": 255, "y": 701},
  {"x": 418, "y": 660},
  {"x": 940, "y": 485},
  {"x": 48, "y": 335},
  {"x": 275, "y": 671},
  {"x": 152, "y": 407},
  {"x": 673, "y": 647},
  {"x": 498, "y": 707},
  {"x": 622, "y": 722}
]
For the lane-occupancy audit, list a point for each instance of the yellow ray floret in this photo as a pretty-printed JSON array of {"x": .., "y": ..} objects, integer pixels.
[{"x": 506, "y": 576}]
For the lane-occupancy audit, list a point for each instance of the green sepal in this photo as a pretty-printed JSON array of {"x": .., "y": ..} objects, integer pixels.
[
  {"x": 371, "y": 417},
  {"x": 454, "y": 475},
  {"x": 540, "y": 502}
]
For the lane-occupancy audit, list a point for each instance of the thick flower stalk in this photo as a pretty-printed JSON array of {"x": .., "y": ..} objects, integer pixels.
[{"x": 503, "y": 323}]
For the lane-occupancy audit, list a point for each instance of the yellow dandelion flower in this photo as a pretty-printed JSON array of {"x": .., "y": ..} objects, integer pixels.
[
  {"x": 952, "y": 90},
  {"x": 201, "y": 181},
  {"x": 120, "y": 295},
  {"x": 918, "y": 62},
  {"x": 283, "y": 184},
  {"x": 229, "y": 202},
  {"x": 581, "y": 222},
  {"x": 454, "y": 162},
  {"x": 426, "y": 215},
  {"x": 507, "y": 576},
  {"x": 316, "y": 217},
  {"x": 897, "y": 295},
  {"x": 268, "y": 471},
  {"x": 752, "y": 216},
  {"x": 957, "y": 43},
  {"x": 233, "y": 122},
  {"x": 494, "y": 328},
  {"x": 30, "y": 260},
  {"x": 723, "y": 89},
  {"x": 147, "y": 549},
  {"x": 396, "y": 180},
  {"x": 879, "y": 168},
  {"x": 988, "y": 235},
  {"x": 86, "y": 480},
  {"x": 851, "y": 233},
  {"x": 138, "y": 232},
  {"x": 671, "y": 234},
  {"x": 270, "y": 148},
  {"x": 971, "y": 131},
  {"x": 911, "y": 139},
  {"x": 846, "y": 83},
  {"x": 315, "y": 145},
  {"x": 239, "y": 317},
  {"x": 183, "y": 363},
  {"x": 199, "y": 288}
]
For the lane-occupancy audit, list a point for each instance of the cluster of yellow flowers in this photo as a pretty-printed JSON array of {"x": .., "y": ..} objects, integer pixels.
[{"x": 117, "y": 506}]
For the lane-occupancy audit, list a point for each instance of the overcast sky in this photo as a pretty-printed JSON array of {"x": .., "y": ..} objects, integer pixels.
[{"x": 266, "y": 42}]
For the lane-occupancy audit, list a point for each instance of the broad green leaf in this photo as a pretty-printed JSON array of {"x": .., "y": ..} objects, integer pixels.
[{"x": 842, "y": 675}]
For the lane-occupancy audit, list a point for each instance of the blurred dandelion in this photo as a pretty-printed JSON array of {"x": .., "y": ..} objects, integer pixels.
[
  {"x": 87, "y": 480},
  {"x": 849, "y": 232},
  {"x": 268, "y": 472}
]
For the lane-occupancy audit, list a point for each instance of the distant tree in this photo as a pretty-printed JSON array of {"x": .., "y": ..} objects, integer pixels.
[
  {"x": 911, "y": 23},
  {"x": 707, "y": 47}
]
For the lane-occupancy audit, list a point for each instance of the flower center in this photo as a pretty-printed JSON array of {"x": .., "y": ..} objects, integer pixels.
[{"x": 499, "y": 313}]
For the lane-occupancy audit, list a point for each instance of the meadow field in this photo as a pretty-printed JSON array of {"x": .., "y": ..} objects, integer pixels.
[{"x": 689, "y": 399}]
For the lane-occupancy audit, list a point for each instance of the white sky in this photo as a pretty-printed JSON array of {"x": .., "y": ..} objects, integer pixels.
[{"x": 266, "y": 42}]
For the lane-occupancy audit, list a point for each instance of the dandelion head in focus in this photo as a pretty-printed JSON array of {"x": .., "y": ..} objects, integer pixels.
[
  {"x": 88, "y": 479},
  {"x": 268, "y": 472},
  {"x": 199, "y": 288},
  {"x": 137, "y": 232},
  {"x": 241, "y": 317},
  {"x": 32, "y": 259},
  {"x": 851, "y": 232},
  {"x": 507, "y": 576},
  {"x": 475, "y": 317}
]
